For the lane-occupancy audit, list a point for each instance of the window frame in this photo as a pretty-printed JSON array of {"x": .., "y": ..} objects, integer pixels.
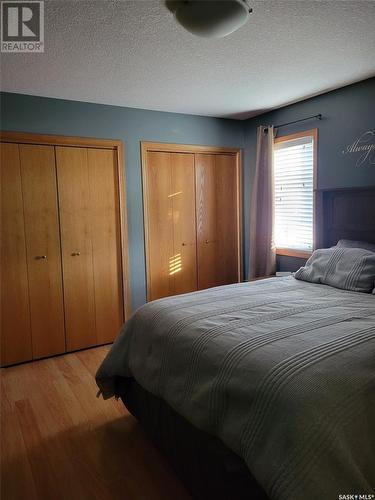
[{"x": 292, "y": 252}]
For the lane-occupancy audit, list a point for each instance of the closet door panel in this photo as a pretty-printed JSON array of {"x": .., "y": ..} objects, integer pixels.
[
  {"x": 104, "y": 204},
  {"x": 206, "y": 220},
  {"x": 161, "y": 261},
  {"x": 226, "y": 216},
  {"x": 184, "y": 227},
  {"x": 76, "y": 241},
  {"x": 217, "y": 216},
  {"x": 15, "y": 314},
  {"x": 43, "y": 249}
]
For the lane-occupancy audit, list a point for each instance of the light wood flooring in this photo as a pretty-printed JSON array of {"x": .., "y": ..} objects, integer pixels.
[{"x": 59, "y": 442}]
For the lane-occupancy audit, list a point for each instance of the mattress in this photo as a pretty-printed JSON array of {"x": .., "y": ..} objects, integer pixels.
[{"x": 281, "y": 371}]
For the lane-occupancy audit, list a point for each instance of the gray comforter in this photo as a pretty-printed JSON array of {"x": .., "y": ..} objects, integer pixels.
[{"x": 282, "y": 371}]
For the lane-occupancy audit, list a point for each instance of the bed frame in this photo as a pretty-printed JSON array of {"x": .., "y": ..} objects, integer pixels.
[
  {"x": 207, "y": 468},
  {"x": 204, "y": 464}
]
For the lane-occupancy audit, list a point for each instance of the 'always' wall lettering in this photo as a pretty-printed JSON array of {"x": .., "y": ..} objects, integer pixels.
[{"x": 364, "y": 148}]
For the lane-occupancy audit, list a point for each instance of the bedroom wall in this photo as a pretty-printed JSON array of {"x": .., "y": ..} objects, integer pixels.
[
  {"x": 55, "y": 116},
  {"x": 348, "y": 113}
]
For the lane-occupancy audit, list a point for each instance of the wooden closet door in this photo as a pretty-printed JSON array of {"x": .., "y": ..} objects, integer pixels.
[
  {"x": 159, "y": 215},
  {"x": 184, "y": 227},
  {"x": 15, "y": 314},
  {"x": 206, "y": 220},
  {"x": 105, "y": 223},
  {"x": 43, "y": 249},
  {"x": 76, "y": 242},
  {"x": 170, "y": 220},
  {"x": 217, "y": 216},
  {"x": 227, "y": 192}
]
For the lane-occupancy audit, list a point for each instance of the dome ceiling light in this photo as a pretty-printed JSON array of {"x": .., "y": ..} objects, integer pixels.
[{"x": 210, "y": 18}]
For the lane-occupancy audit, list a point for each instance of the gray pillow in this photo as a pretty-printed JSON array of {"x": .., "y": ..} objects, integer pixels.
[
  {"x": 346, "y": 268},
  {"x": 356, "y": 244}
]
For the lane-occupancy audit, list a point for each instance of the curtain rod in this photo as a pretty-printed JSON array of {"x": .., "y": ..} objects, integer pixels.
[{"x": 318, "y": 117}]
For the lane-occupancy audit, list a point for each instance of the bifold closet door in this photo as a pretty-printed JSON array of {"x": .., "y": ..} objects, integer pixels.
[
  {"x": 76, "y": 245},
  {"x": 217, "y": 219},
  {"x": 38, "y": 175},
  {"x": 15, "y": 313},
  {"x": 90, "y": 237},
  {"x": 170, "y": 220},
  {"x": 184, "y": 228},
  {"x": 106, "y": 243},
  {"x": 159, "y": 225}
]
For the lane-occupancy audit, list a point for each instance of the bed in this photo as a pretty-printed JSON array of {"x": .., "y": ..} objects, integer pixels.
[{"x": 259, "y": 390}]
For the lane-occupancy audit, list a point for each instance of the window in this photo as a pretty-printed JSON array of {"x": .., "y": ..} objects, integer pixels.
[{"x": 294, "y": 158}]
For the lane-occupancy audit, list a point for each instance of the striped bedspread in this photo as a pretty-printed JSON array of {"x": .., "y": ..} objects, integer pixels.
[{"x": 281, "y": 370}]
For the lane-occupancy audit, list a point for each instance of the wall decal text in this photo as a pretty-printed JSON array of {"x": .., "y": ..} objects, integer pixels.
[{"x": 364, "y": 146}]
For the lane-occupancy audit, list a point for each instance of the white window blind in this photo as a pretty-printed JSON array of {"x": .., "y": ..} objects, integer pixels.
[{"x": 293, "y": 174}]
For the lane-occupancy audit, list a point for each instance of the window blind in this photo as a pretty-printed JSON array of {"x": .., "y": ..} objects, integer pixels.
[{"x": 293, "y": 192}]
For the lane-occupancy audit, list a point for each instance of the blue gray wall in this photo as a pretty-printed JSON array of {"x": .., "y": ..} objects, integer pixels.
[
  {"x": 55, "y": 116},
  {"x": 348, "y": 113}
]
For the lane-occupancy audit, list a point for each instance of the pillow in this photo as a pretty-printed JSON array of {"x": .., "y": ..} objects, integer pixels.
[
  {"x": 356, "y": 244},
  {"x": 346, "y": 268}
]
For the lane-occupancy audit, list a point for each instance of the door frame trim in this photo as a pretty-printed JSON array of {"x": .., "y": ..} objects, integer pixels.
[
  {"x": 147, "y": 147},
  {"x": 90, "y": 142}
]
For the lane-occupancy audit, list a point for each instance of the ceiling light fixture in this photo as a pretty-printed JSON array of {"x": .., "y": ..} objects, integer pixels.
[{"x": 210, "y": 18}]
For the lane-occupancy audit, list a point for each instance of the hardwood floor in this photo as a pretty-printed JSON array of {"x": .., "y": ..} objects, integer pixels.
[{"x": 58, "y": 441}]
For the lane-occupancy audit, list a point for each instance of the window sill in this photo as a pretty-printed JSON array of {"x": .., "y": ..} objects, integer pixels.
[{"x": 291, "y": 252}]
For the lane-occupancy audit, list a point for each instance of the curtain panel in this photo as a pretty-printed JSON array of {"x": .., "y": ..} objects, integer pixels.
[{"x": 262, "y": 248}]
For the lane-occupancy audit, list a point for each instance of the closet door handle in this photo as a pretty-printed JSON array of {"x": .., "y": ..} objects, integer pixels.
[
  {"x": 76, "y": 254},
  {"x": 40, "y": 257},
  {"x": 184, "y": 244}
]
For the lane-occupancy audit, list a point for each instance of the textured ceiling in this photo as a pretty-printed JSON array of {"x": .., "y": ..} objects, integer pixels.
[{"x": 134, "y": 54}]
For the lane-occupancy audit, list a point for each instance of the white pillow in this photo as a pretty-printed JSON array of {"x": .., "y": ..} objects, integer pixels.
[{"x": 346, "y": 268}]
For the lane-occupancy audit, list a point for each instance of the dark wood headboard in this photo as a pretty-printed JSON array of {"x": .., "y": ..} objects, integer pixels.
[{"x": 345, "y": 213}]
